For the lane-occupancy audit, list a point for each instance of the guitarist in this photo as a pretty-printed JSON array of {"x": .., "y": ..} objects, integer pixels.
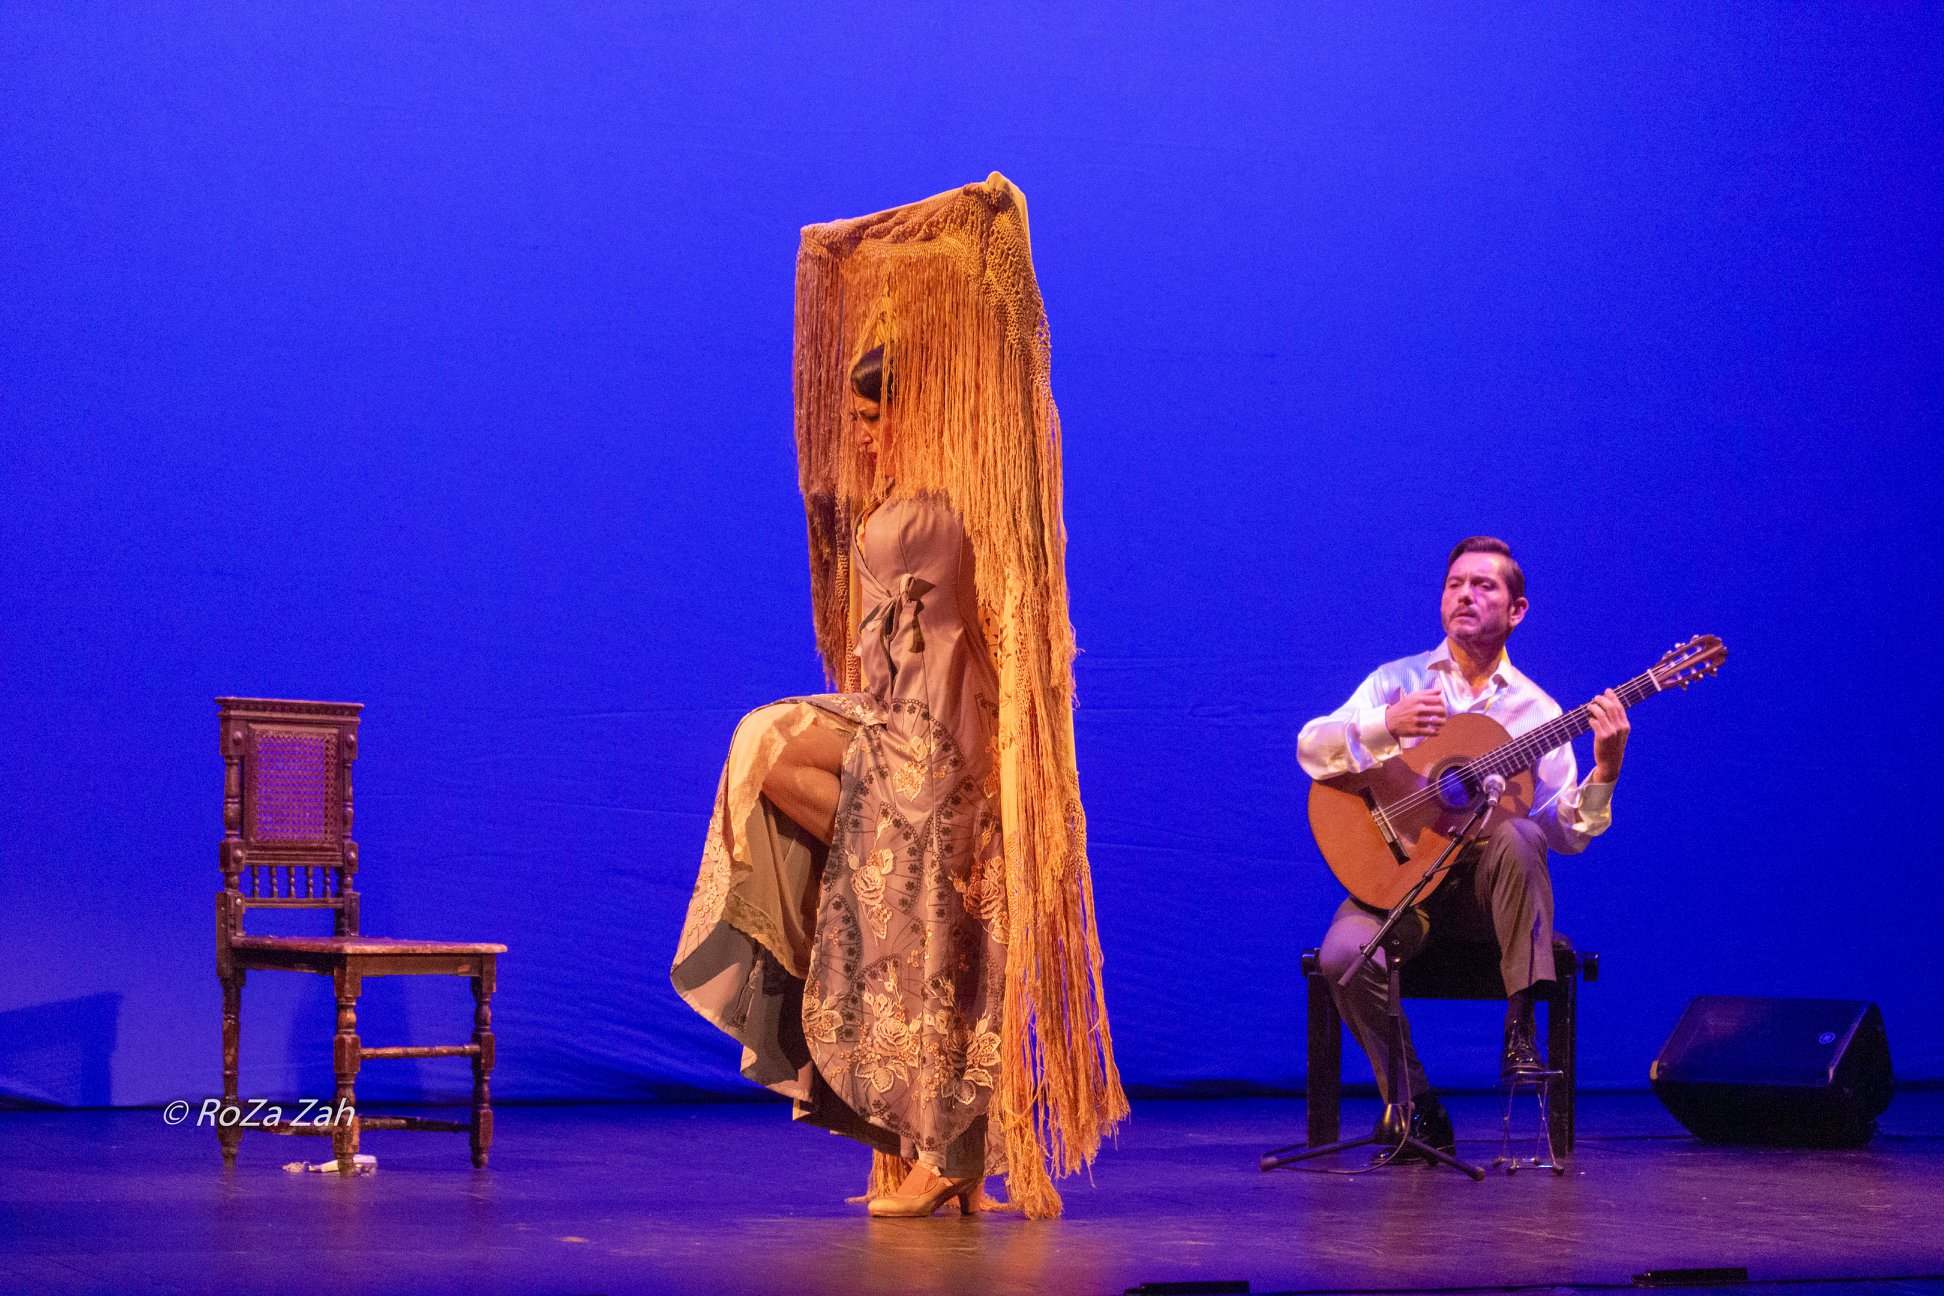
[{"x": 1500, "y": 888}]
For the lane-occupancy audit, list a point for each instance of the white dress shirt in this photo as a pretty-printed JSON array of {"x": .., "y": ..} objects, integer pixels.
[{"x": 1354, "y": 737}]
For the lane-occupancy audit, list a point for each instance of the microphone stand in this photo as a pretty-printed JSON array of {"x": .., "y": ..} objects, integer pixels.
[{"x": 1397, "y": 1111}]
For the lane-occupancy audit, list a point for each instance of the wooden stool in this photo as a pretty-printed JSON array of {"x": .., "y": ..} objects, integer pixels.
[{"x": 1450, "y": 970}]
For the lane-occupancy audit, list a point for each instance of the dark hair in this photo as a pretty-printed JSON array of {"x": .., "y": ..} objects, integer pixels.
[
  {"x": 867, "y": 375},
  {"x": 1514, "y": 574}
]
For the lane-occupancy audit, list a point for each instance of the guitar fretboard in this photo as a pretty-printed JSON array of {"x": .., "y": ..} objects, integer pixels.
[{"x": 1524, "y": 751}]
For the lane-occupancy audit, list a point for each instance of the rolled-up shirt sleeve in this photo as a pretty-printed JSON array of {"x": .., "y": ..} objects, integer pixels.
[
  {"x": 1571, "y": 813},
  {"x": 1351, "y": 738}
]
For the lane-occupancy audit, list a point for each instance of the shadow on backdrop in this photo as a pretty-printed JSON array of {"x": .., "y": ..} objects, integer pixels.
[{"x": 59, "y": 1054}]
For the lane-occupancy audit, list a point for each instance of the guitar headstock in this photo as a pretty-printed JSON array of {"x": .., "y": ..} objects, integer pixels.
[{"x": 1685, "y": 663}]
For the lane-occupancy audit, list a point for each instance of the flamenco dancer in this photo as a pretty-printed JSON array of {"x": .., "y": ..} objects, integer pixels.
[{"x": 895, "y": 915}]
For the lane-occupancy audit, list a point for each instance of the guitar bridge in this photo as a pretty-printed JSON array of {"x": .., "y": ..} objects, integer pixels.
[{"x": 1378, "y": 817}]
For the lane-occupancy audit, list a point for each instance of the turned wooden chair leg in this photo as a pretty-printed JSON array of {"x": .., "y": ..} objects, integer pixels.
[
  {"x": 229, "y": 1130},
  {"x": 482, "y": 1110},
  {"x": 344, "y": 1130},
  {"x": 1323, "y": 1086}
]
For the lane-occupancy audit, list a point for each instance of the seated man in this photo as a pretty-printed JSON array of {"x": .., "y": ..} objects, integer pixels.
[{"x": 1500, "y": 887}]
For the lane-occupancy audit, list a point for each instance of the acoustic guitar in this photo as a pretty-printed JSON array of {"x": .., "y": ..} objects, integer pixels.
[{"x": 1380, "y": 829}]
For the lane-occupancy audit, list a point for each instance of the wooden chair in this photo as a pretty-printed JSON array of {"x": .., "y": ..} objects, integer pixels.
[
  {"x": 287, "y": 845},
  {"x": 1450, "y": 970}
]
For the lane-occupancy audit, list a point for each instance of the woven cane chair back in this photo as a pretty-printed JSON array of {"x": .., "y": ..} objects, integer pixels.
[{"x": 287, "y": 805}]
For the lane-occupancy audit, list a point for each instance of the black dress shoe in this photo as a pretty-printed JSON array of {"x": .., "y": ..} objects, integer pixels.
[
  {"x": 1430, "y": 1123},
  {"x": 1521, "y": 1058}
]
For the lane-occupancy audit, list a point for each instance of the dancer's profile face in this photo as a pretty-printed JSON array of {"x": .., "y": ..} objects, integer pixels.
[{"x": 864, "y": 415}]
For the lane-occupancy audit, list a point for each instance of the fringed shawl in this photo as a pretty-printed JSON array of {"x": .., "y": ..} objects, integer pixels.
[{"x": 946, "y": 287}]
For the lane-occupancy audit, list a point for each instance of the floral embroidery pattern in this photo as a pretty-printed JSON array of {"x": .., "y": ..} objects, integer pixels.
[
  {"x": 981, "y": 1061},
  {"x": 983, "y": 892},
  {"x": 901, "y": 1010},
  {"x": 868, "y": 881},
  {"x": 822, "y": 1021},
  {"x": 888, "y": 1053},
  {"x": 711, "y": 890},
  {"x": 910, "y": 780}
]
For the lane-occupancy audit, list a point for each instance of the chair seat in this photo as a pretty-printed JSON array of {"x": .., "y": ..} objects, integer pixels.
[
  {"x": 1454, "y": 969},
  {"x": 360, "y": 945}
]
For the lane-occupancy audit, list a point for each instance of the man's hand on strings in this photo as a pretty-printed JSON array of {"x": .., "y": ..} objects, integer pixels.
[
  {"x": 1610, "y": 730},
  {"x": 1416, "y": 715}
]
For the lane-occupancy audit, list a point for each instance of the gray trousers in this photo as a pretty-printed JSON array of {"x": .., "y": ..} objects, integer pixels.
[{"x": 1501, "y": 892}]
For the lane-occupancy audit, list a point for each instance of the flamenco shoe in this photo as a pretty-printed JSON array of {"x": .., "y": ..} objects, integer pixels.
[
  {"x": 927, "y": 1200},
  {"x": 983, "y": 1202}
]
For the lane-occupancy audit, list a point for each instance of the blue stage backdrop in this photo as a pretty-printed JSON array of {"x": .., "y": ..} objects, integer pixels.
[{"x": 439, "y": 360}]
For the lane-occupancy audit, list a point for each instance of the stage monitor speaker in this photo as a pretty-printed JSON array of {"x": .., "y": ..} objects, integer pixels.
[{"x": 1782, "y": 1072}]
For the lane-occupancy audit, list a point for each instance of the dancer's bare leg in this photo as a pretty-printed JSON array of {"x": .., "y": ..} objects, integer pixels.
[{"x": 803, "y": 781}]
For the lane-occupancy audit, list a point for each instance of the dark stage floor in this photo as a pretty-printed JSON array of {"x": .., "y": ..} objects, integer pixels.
[{"x": 733, "y": 1198}]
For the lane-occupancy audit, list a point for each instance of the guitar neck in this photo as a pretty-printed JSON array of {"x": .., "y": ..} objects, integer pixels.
[{"x": 1523, "y": 752}]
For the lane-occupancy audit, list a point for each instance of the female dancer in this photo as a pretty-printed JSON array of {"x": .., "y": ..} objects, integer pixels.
[{"x": 894, "y": 914}]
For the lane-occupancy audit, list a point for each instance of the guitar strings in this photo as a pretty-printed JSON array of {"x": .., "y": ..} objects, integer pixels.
[{"x": 1515, "y": 755}]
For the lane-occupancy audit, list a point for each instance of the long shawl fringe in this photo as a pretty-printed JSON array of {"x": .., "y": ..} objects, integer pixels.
[{"x": 946, "y": 286}]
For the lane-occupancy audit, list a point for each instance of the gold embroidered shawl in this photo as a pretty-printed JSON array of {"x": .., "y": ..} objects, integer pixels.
[{"x": 946, "y": 287}]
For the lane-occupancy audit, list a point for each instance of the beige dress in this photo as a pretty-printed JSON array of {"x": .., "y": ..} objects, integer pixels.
[{"x": 867, "y": 983}]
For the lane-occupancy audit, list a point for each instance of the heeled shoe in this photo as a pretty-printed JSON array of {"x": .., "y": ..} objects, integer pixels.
[
  {"x": 920, "y": 1205},
  {"x": 983, "y": 1203}
]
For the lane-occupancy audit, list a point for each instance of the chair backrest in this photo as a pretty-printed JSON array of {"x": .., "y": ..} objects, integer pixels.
[{"x": 287, "y": 808}]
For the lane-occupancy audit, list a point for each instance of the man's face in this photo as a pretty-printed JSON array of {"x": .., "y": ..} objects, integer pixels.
[{"x": 1477, "y": 607}]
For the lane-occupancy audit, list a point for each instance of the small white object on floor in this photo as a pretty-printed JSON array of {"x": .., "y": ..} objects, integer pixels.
[{"x": 365, "y": 1164}]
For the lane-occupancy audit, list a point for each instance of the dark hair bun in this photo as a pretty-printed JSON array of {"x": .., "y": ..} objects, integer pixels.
[{"x": 867, "y": 375}]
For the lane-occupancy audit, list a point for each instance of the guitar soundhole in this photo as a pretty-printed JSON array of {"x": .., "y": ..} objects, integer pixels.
[{"x": 1456, "y": 789}]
